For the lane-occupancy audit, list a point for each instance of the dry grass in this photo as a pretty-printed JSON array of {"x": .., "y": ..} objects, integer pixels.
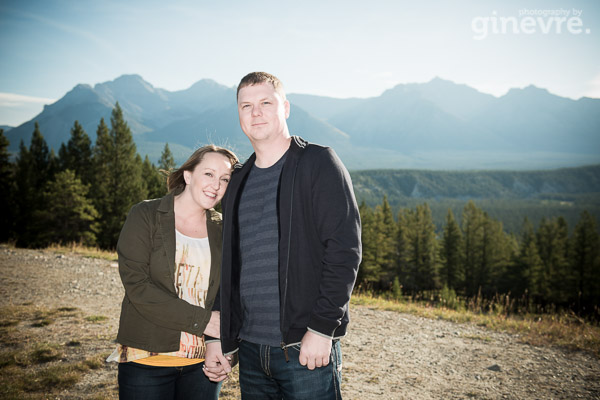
[
  {"x": 91, "y": 252},
  {"x": 564, "y": 329},
  {"x": 31, "y": 368}
]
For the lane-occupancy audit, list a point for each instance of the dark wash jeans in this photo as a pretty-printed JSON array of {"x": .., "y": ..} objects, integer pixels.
[
  {"x": 264, "y": 374},
  {"x": 144, "y": 382}
]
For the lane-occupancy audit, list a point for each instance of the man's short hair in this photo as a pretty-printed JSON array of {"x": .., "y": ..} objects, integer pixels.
[{"x": 257, "y": 78}]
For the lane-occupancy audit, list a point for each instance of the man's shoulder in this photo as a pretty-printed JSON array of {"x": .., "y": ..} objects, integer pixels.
[{"x": 310, "y": 149}]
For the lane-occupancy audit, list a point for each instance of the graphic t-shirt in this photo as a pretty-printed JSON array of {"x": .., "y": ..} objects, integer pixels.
[{"x": 192, "y": 275}]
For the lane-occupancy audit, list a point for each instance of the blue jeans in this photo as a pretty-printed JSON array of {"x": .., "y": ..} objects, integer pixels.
[
  {"x": 264, "y": 374},
  {"x": 137, "y": 381}
]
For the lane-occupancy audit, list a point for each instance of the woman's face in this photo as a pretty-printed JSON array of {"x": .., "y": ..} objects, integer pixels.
[{"x": 208, "y": 181}]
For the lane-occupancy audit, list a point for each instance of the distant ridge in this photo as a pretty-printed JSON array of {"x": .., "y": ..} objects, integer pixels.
[
  {"x": 463, "y": 185},
  {"x": 433, "y": 125},
  {"x": 508, "y": 196}
]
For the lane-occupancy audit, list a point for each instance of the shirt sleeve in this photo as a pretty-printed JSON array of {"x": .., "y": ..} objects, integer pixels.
[{"x": 338, "y": 225}]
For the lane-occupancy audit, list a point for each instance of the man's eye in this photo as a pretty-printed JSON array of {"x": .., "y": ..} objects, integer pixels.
[
  {"x": 208, "y": 174},
  {"x": 226, "y": 180}
]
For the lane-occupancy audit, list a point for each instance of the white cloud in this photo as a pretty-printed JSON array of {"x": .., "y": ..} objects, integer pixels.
[
  {"x": 593, "y": 87},
  {"x": 17, "y": 100}
]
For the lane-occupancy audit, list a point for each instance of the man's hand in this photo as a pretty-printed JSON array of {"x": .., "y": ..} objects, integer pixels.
[
  {"x": 216, "y": 365},
  {"x": 314, "y": 350},
  {"x": 213, "y": 327}
]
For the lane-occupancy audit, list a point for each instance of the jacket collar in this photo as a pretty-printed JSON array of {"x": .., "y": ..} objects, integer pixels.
[{"x": 297, "y": 146}]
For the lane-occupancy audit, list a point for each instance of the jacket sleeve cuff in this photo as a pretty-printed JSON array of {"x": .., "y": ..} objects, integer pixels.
[
  {"x": 209, "y": 339},
  {"x": 320, "y": 334},
  {"x": 325, "y": 328},
  {"x": 200, "y": 320}
]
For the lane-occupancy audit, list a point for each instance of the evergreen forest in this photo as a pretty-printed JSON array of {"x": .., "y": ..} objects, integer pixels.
[{"x": 83, "y": 194}]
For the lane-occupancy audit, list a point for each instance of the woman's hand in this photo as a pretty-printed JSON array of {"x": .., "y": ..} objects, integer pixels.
[{"x": 216, "y": 365}]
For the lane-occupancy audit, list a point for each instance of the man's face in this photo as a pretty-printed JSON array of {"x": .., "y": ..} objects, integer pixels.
[{"x": 262, "y": 112}]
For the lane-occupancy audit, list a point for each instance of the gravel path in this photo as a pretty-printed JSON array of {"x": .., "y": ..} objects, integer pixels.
[{"x": 387, "y": 355}]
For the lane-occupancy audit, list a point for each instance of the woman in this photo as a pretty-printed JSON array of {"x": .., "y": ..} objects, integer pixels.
[{"x": 169, "y": 260}]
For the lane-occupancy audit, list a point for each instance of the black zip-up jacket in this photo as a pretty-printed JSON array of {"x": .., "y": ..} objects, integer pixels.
[{"x": 319, "y": 246}]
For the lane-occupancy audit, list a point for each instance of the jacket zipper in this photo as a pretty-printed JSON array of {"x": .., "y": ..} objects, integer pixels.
[{"x": 287, "y": 264}]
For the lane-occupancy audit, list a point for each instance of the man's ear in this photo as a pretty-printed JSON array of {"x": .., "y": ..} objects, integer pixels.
[{"x": 286, "y": 104}]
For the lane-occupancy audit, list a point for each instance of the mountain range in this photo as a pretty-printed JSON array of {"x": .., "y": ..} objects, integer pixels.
[{"x": 433, "y": 125}]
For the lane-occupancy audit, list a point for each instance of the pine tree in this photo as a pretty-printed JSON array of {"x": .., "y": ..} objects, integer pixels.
[
  {"x": 118, "y": 183},
  {"x": 34, "y": 168},
  {"x": 76, "y": 155},
  {"x": 486, "y": 251},
  {"x": 7, "y": 205},
  {"x": 452, "y": 273},
  {"x": 553, "y": 246},
  {"x": 166, "y": 162},
  {"x": 402, "y": 248},
  {"x": 369, "y": 271},
  {"x": 385, "y": 228},
  {"x": 586, "y": 261},
  {"x": 154, "y": 181},
  {"x": 472, "y": 227},
  {"x": 495, "y": 256},
  {"x": 101, "y": 162},
  {"x": 529, "y": 264},
  {"x": 422, "y": 250},
  {"x": 69, "y": 216}
]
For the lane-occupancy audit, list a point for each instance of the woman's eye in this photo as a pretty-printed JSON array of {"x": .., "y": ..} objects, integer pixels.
[
  {"x": 226, "y": 180},
  {"x": 208, "y": 174}
]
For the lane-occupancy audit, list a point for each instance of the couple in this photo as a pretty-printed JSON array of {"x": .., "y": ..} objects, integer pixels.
[{"x": 286, "y": 255}]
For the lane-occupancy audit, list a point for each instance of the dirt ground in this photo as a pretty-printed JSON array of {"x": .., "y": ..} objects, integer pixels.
[{"x": 386, "y": 355}]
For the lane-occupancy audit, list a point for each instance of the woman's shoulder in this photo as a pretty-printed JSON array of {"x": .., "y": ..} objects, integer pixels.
[
  {"x": 147, "y": 205},
  {"x": 146, "y": 208}
]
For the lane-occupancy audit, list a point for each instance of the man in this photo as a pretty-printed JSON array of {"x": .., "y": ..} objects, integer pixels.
[{"x": 291, "y": 252}]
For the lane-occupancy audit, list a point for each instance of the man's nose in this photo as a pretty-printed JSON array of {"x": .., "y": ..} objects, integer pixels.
[{"x": 256, "y": 111}]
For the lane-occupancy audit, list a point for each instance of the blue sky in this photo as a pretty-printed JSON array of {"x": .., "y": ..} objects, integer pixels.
[{"x": 333, "y": 48}]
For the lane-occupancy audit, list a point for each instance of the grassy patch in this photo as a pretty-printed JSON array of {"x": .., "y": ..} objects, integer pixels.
[
  {"x": 231, "y": 387},
  {"x": 555, "y": 329},
  {"x": 96, "y": 318},
  {"x": 478, "y": 337},
  {"x": 20, "y": 379},
  {"x": 8, "y": 358},
  {"x": 42, "y": 322},
  {"x": 67, "y": 309},
  {"x": 55, "y": 377},
  {"x": 44, "y": 352},
  {"x": 4, "y": 323}
]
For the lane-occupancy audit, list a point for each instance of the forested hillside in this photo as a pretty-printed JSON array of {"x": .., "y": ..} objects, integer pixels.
[{"x": 509, "y": 196}]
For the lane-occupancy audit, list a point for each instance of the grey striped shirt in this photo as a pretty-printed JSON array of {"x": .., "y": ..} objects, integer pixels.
[{"x": 259, "y": 237}]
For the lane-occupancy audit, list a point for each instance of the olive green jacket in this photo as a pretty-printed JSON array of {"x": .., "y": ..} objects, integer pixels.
[{"x": 152, "y": 315}]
